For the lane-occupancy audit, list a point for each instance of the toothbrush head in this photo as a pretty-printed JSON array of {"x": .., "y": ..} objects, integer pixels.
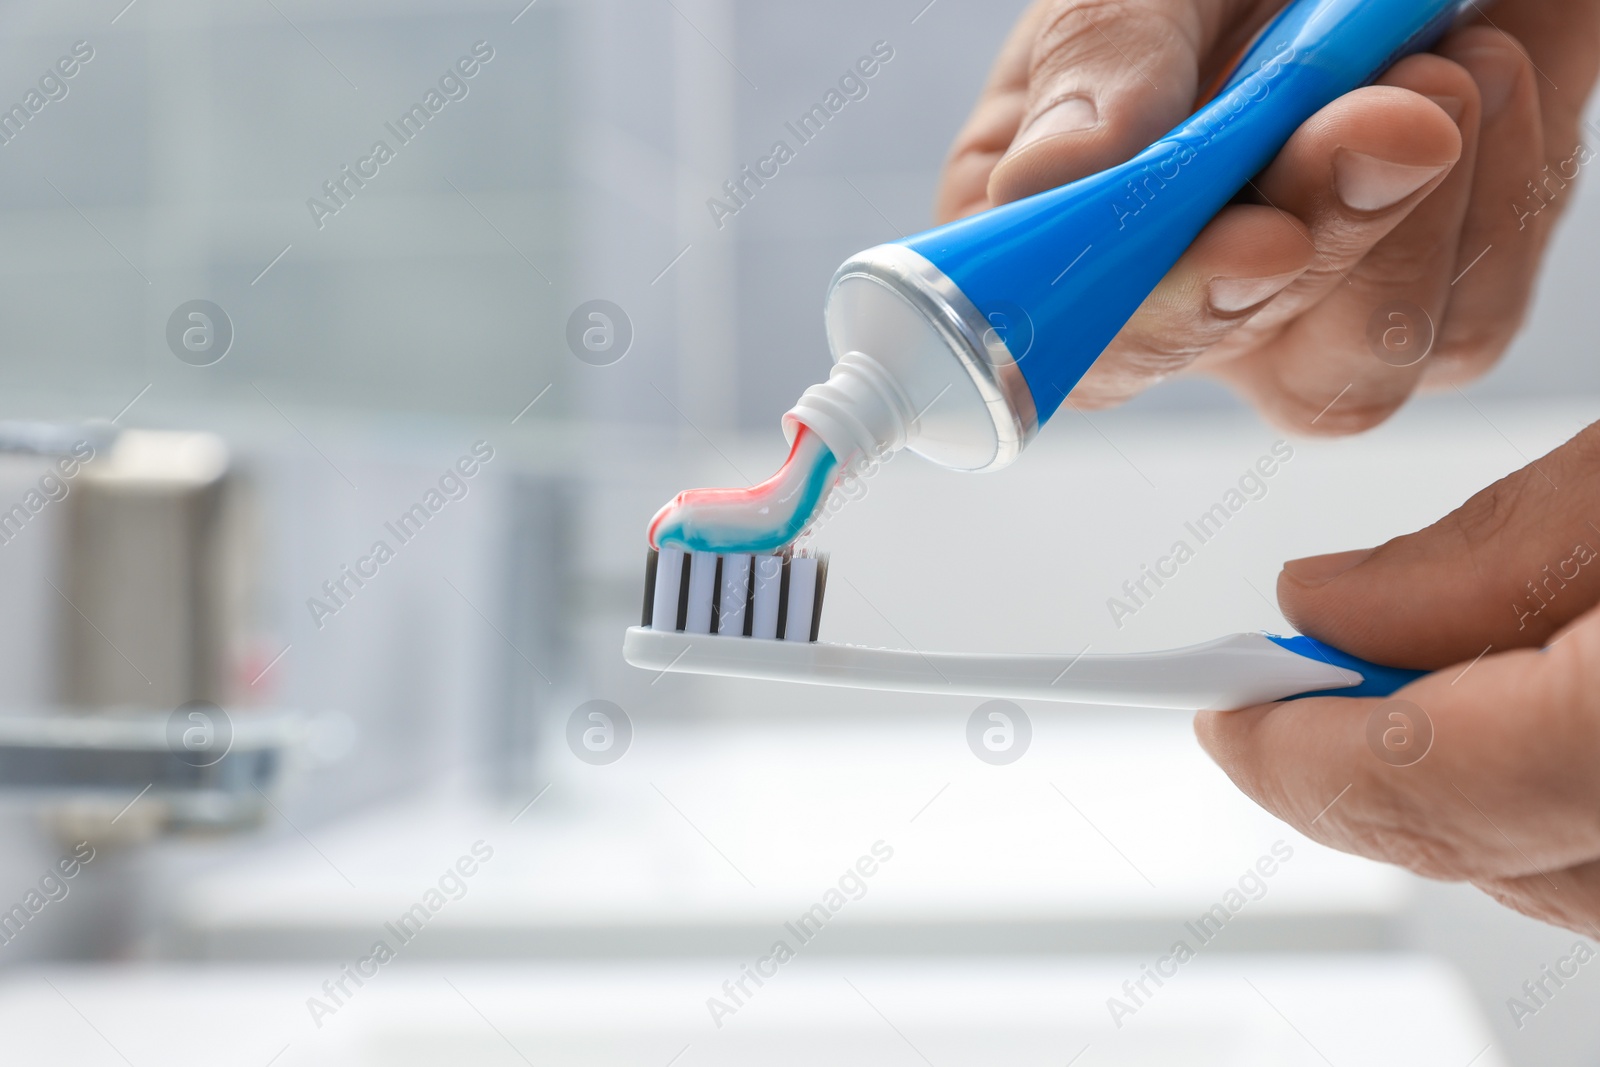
[{"x": 734, "y": 594}]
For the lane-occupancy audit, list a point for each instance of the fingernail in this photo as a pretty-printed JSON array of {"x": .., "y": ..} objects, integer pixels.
[
  {"x": 1450, "y": 105},
  {"x": 1367, "y": 183},
  {"x": 1070, "y": 114},
  {"x": 1232, "y": 295},
  {"x": 1320, "y": 570},
  {"x": 1496, "y": 72}
]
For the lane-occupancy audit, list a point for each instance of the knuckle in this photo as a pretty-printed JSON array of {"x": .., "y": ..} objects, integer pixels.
[
  {"x": 1145, "y": 367},
  {"x": 1402, "y": 268},
  {"x": 1415, "y": 850},
  {"x": 1152, "y": 360},
  {"x": 992, "y": 125},
  {"x": 1395, "y": 823},
  {"x": 1534, "y": 897},
  {"x": 1428, "y": 73},
  {"x": 1470, "y": 346},
  {"x": 1104, "y": 32},
  {"x": 1569, "y": 729},
  {"x": 1125, "y": 370},
  {"x": 1458, "y": 366},
  {"x": 1090, "y": 395},
  {"x": 1352, "y": 414},
  {"x": 1154, "y": 354},
  {"x": 1489, "y": 513},
  {"x": 1478, "y": 40},
  {"x": 1426, "y": 826}
]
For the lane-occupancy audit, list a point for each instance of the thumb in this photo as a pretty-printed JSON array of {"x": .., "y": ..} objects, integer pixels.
[
  {"x": 1105, "y": 79},
  {"x": 1505, "y": 570}
]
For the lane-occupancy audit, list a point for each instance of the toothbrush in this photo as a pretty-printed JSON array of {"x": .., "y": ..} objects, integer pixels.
[
  {"x": 960, "y": 342},
  {"x": 748, "y": 616}
]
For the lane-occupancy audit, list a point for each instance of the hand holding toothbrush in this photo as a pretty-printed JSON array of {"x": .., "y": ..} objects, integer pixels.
[
  {"x": 1502, "y": 599},
  {"x": 1391, "y": 193}
]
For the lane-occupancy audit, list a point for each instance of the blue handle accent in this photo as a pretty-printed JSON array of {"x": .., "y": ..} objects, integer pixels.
[
  {"x": 1058, "y": 274},
  {"x": 1376, "y": 680}
]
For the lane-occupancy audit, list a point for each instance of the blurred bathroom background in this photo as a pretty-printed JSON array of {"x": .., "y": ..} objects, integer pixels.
[{"x": 277, "y": 350}]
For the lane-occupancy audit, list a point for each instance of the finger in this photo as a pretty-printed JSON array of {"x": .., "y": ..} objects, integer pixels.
[
  {"x": 1105, "y": 79},
  {"x": 1507, "y": 569},
  {"x": 1568, "y": 897},
  {"x": 1243, "y": 257},
  {"x": 1503, "y": 234},
  {"x": 1371, "y": 177},
  {"x": 1558, "y": 41},
  {"x": 964, "y": 185},
  {"x": 1484, "y": 775},
  {"x": 1408, "y": 270}
]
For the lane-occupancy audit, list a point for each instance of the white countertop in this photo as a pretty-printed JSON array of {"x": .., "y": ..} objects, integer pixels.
[
  {"x": 1216, "y": 1011},
  {"x": 1106, "y": 835}
]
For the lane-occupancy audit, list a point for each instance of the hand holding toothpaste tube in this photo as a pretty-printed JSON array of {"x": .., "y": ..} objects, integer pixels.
[{"x": 1414, "y": 191}]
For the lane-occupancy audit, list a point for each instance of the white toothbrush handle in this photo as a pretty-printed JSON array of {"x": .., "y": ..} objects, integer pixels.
[{"x": 1230, "y": 672}]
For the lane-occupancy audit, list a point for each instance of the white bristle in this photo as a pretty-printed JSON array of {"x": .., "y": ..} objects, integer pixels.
[
  {"x": 769, "y": 578},
  {"x": 669, "y": 583},
  {"x": 735, "y": 590},
  {"x": 802, "y": 597},
  {"x": 702, "y": 584}
]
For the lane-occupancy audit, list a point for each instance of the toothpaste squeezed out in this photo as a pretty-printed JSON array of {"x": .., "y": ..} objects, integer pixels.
[{"x": 763, "y": 518}]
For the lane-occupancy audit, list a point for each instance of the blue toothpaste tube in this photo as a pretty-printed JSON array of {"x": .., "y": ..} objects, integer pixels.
[{"x": 959, "y": 343}]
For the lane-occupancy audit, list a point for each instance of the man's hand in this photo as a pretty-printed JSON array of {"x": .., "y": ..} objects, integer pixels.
[
  {"x": 1391, "y": 193},
  {"x": 1487, "y": 771}
]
